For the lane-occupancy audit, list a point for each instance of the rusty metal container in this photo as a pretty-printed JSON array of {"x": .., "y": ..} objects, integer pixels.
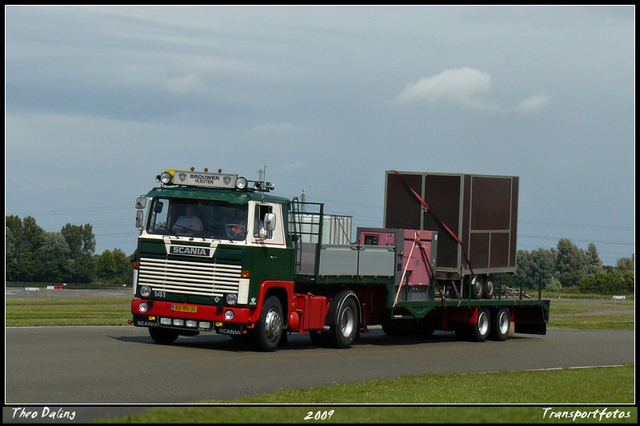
[{"x": 481, "y": 210}]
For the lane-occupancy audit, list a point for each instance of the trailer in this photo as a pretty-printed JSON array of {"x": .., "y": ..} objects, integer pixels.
[{"x": 219, "y": 253}]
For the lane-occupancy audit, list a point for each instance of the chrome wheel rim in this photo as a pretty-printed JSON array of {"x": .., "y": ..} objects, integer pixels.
[
  {"x": 273, "y": 324},
  {"x": 504, "y": 322},
  {"x": 347, "y": 322},
  {"x": 483, "y": 323}
]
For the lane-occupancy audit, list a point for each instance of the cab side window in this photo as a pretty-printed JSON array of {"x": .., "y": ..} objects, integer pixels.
[{"x": 259, "y": 230}]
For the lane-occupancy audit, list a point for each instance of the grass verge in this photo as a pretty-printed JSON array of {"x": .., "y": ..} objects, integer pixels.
[
  {"x": 59, "y": 311},
  {"x": 383, "y": 415},
  {"x": 605, "y": 385},
  {"x": 592, "y": 314}
]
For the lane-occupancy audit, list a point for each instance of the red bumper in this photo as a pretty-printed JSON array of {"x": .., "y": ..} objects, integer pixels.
[{"x": 193, "y": 312}]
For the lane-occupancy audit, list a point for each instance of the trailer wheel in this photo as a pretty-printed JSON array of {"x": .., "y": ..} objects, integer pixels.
[
  {"x": 163, "y": 335},
  {"x": 481, "y": 329},
  {"x": 500, "y": 324},
  {"x": 345, "y": 325},
  {"x": 268, "y": 331},
  {"x": 477, "y": 287},
  {"x": 489, "y": 287}
]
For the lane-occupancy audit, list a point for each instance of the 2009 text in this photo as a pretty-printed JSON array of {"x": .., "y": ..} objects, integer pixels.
[{"x": 319, "y": 415}]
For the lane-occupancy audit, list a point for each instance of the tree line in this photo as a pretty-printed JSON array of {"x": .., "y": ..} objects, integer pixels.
[
  {"x": 570, "y": 268},
  {"x": 35, "y": 255},
  {"x": 68, "y": 256}
]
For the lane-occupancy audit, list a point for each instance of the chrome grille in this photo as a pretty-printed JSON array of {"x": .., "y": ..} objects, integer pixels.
[{"x": 201, "y": 279}]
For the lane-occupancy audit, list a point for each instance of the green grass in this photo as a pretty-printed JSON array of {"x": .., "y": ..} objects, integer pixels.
[
  {"x": 374, "y": 414},
  {"x": 598, "y": 385},
  {"x": 622, "y": 322},
  {"x": 601, "y": 386},
  {"x": 591, "y": 314},
  {"x": 60, "y": 311}
]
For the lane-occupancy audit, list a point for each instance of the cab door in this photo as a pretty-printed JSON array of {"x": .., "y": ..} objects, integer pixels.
[{"x": 270, "y": 258}]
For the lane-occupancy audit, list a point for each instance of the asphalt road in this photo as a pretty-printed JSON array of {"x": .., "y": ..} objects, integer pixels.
[{"x": 122, "y": 365}]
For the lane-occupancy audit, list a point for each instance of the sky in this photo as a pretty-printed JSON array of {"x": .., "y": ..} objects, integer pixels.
[{"x": 101, "y": 99}]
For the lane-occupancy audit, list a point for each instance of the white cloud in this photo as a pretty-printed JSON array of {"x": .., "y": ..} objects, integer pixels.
[
  {"x": 185, "y": 85},
  {"x": 458, "y": 86},
  {"x": 534, "y": 103},
  {"x": 463, "y": 87}
]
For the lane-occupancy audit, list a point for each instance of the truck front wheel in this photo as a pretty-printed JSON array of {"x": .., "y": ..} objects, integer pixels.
[
  {"x": 268, "y": 330},
  {"x": 163, "y": 335}
]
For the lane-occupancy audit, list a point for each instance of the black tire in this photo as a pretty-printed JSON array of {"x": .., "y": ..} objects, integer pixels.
[
  {"x": 346, "y": 321},
  {"x": 500, "y": 324},
  {"x": 163, "y": 336},
  {"x": 480, "y": 329},
  {"x": 477, "y": 286},
  {"x": 269, "y": 329},
  {"x": 489, "y": 287}
]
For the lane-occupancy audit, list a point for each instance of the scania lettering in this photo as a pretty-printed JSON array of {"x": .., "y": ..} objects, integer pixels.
[
  {"x": 194, "y": 251},
  {"x": 219, "y": 253}
]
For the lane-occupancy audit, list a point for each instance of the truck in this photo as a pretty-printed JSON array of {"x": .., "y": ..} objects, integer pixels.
[{"x": 223, "y": 254}]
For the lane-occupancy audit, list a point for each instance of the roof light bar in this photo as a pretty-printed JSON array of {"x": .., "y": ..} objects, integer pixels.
[{"x": 212, "y": 180}]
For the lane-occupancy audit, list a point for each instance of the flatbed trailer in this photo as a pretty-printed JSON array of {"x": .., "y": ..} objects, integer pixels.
[{"x": 282, "y": 266}]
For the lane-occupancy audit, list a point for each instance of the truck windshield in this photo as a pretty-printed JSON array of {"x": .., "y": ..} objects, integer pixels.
[{"x": 199, "y": 218}]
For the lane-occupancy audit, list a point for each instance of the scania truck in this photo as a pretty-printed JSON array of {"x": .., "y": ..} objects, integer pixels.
[{"x": 219, "y": 253}]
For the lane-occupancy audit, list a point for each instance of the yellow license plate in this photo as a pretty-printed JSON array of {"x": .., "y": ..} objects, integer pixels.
[{"x": 184, "y": 308}]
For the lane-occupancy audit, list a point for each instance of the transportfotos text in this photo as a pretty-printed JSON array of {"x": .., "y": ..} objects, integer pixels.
[{"x": 597, "y": 414}]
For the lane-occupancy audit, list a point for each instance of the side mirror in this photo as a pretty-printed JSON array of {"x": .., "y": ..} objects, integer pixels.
[
  {"x": 141, "y": 203},
  {"x": 269, "y": 222},
  {"x": 139, "y": 219}
]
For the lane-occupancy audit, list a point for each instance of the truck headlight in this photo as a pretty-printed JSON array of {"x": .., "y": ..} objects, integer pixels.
[
  {"x": 241, "y": 183},
  {"x": 145, "y": 291},
  {"x": 165, "y": 177},
  {"x": 228, "y": 315},
  {"x": 143, "y": 307},
  {"x": 231, "y": 299}
]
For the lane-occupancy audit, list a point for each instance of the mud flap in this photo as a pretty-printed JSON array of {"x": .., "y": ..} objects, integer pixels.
[{"x": 530, "y": 327}]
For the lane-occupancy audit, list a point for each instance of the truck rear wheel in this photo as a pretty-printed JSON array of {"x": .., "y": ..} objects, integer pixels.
[
  {"x": 500, "y": 324},
  {"x": 163, "y": 335},
  {"x": 268, "y": 330}
]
